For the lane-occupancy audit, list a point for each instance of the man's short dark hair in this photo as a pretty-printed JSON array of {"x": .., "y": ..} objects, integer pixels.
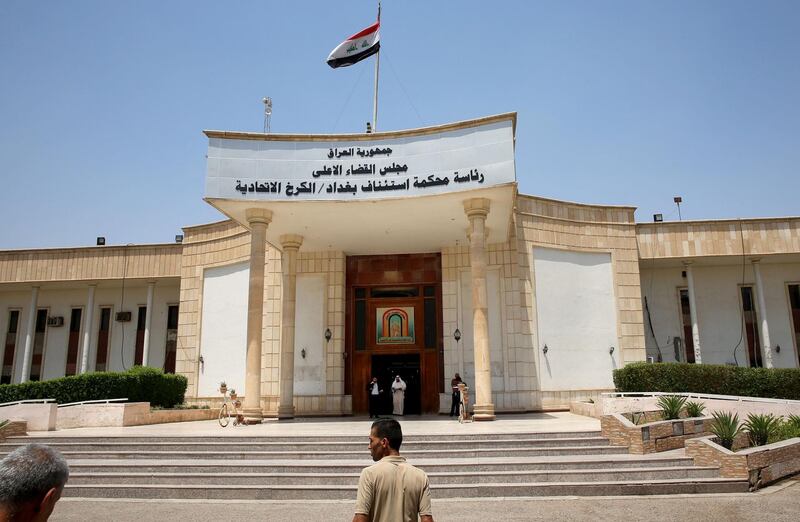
[
  {"x": 28, "y": 473},
  {"x": 389, "y": 429}
]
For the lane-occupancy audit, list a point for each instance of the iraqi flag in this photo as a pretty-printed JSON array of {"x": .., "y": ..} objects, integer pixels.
[{"x": 359, "y": 46}]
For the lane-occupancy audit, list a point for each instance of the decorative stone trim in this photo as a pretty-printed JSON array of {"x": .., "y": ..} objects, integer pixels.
[
  {"x": 652, "y": 437},
  {"x": 760, "y": 465}
]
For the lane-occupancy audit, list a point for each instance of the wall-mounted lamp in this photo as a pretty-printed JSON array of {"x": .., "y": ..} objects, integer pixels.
[
  {"x": 544, "y": 350},
  {"x": 457, "y": 335},
  {"x": 101, "y": 241},
  {"x": 201, "y": 360},
  {"x": 303, "y": 353},
  {"x": 328, "y": 335},
  {"x": 611, "y": 351},
  {"x": 658, "y": 218},
  {"x": 778, "y": 349},
  {"x": 179, "y": 238}
]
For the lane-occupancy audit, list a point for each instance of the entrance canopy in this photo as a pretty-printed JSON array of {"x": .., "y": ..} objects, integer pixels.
[{"x": 388, "y": 192}]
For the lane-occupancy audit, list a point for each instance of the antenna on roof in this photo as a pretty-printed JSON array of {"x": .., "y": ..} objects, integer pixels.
[{"x": 267, "y": 113}]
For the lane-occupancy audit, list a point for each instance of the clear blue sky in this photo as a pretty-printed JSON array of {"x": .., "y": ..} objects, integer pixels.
[{"x": 102, "y": 103}]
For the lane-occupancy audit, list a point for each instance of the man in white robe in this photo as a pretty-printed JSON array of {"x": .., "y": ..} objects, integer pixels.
[{"x": 398, "y": 395}]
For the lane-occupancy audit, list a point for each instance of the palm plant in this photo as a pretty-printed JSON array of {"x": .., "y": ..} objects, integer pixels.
[
  {"x": 760, "y": 427},
  {"x": 671, "y": 406},
  {"x": 695, "y": 409},
  {"x": 725, "y": 427},
  {"x": 794, "y": 421}
]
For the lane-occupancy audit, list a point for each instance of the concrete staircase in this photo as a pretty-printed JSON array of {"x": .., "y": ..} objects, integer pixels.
[{"x": 327, "y": 467}]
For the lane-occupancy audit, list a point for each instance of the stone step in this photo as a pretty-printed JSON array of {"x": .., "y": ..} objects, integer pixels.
[
  {"x": 235, "y": 437},
  {"x": 443, "y": 466},
  {"x": 438, "y": 478},
  {"x": 348, "y": 492},
  {"x": 227, "y": 453},
  {"x": 262, "y": 445}
]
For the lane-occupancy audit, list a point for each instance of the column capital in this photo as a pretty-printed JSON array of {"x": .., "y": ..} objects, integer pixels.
[
  {"x": 291, "y": 241},
  {"x": 258, "y": 215},
  {"x": 476, "y": 207}
]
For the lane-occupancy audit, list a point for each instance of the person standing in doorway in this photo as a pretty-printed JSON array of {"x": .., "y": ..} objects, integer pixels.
[
  {"x": 398, "y": 395},
  {"x": 454, "y": 382},
  {"x": 374, "y": 394},
  {"x": 391, "y": 490}
]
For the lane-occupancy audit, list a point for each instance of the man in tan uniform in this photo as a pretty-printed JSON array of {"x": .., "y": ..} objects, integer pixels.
[{"x": 391, "y": 490}]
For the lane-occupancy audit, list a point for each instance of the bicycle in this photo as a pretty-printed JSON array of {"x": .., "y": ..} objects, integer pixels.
[{"x": 235, "y": 408}]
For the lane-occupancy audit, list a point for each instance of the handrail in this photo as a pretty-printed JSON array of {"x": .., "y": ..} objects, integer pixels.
[
  {"x": 27, "y": 401},
  {"x": 98, "y": 401},
  {"x": 690, "y": 395}
]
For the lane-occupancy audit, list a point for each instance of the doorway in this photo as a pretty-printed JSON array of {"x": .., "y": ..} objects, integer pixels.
[
  {"x": 385, "y": 367},
  {"x": 393, "y": 324}
]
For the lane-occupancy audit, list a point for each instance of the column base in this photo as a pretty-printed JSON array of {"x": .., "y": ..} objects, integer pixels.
[
  {"x": 253, "y": 415},
  {"x": 483, "y": 412},
  {"x": 285, "y": 412}
]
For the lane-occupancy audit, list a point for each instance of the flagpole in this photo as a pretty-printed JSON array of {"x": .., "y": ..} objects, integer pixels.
[{"x": 377, "y": 68}]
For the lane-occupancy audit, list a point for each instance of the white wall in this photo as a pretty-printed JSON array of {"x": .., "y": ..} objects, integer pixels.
[
  {"x": 576, "y": 316},
  {"x": 309, "y": 372},
  {"x": 466, "y": 344},
  {"x": 61, "y": 301},
  {"x": 223, "y": 330},
  {"x": 719, "y": 310}
]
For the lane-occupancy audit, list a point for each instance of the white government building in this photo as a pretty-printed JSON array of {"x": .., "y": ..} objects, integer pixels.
[{"x": 343, "y": 257}]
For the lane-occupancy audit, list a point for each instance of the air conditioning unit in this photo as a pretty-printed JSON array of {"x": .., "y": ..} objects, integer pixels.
[
  {"x": 55, "y": 321},
  {"x": 123, "y": 317}
]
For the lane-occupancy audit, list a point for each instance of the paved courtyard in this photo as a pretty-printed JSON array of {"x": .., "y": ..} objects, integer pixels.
[{"x": 357, "y": 426}]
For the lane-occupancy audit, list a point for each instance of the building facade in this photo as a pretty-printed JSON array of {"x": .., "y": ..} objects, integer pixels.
[{"x": 408, "y": 253}]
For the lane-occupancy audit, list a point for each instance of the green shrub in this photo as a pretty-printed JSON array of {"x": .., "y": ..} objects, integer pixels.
[
  {"x": 726, "y": 427},
  {"x": 671, "y": 406},
  {"x": 695, "y": 409},
  {"x": 779, "y": 383},
  {"x": 139, "y": 384},
  {"x": 760, "y": 428},
  {"x": 786, "y": 429}
]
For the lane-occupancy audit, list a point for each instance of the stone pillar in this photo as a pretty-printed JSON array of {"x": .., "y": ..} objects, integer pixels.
[
  {"x": 30, "y": 332},
  {"x": 87, "y": 329},
  {"x": 291, "y": 244},
  {"x": 258, "y": 219},
  {"x": 147, "y": 319},
  {"x": 762, "y": 314},
  {"x": 477, "y": 209},
  {"x": 687, "y": 265}
]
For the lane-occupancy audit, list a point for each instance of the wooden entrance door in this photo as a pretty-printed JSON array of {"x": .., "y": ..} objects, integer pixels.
[{"x": 393, "y": 320}]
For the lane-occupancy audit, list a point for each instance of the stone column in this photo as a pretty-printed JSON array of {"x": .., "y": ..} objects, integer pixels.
[
  {"x": 87, "y": 329},
  {"x": 687, "y": 265},
  {"x": 30, "y": 332},
  {"x": 147, "y": 319},
  {"x": 258, "y": 219},
  {"x": 762, "y": 314},
  {"x": 477, "y": 209},
  {"x": 291, "y": 244}
]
